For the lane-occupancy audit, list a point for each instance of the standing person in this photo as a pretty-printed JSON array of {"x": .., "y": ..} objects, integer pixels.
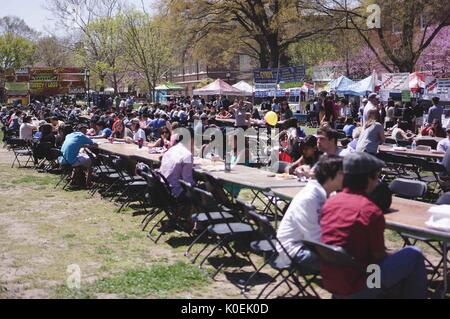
[
  {"x": 361, "y": 109},
  {"x": 390, "y": 120},
  {"x": 408, "y": 116},
  {"x": 435, "y": 112},
  {"x": 372, "y": 135},
  {"x": 301, "y": 220},
  {"x": 329, "y": 111},
  {"x": 286, "y": 112},
  {"x": 275, "y": 106},
  {"x": 352, "y": 221},
  {"x": 371, "y": 104}
]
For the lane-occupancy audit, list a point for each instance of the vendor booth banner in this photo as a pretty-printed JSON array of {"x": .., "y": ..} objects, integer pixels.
[
  {"x": 277, "y": 75},
  {"x": 395, "y": 82}
]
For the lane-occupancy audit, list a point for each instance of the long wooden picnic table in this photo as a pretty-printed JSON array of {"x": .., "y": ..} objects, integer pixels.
[{"x": 409, "y": 152}]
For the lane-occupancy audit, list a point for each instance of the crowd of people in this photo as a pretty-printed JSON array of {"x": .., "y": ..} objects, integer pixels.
[{"x": 340, "y": 157}]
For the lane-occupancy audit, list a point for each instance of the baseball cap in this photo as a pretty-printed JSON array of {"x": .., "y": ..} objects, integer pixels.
[
  {"x": 365, "y": 100},
  {"x": 373, "y": 95},
  {"x": 361, "y": 163}
]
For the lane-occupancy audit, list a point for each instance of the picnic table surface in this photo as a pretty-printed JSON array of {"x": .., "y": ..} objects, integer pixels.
[{"x": 410, "y": 152}]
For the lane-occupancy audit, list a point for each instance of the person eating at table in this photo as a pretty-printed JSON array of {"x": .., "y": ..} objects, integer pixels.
[
  {"x": 309, "y": 156},
  {"x": 178, "y": 164},
  {"x": 138, "y": 133},
  {"x": 351, "y": 221},
  {"x": 102, "y": 130},
  {"x": 120, "y": 131},
  {"x": 163, "y": 141},
  {"x": 301, "y": 220},
  {"x": 401, "y": 133}
]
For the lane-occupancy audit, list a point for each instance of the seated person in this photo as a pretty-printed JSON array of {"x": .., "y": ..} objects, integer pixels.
[
  {"x": 349, "y": 127},
  {"x": 401, "y": 133},
  {"x": 63, "y": 131},
  {"x": 55, "y": 123},
  {"x": 351, "y": 147},
  {"x": 178, "y": 164},
  {"x": 310, "y": 156},
  {"x": 351, "y": 221},
  {"x": 223, "y": 114},
  {"x": 327, "y": 139},
  {"x": 301, "y": 221},
  {"x": 102, "y": 130},
  {"x": 26, "y": 129},
  {"x": 138, "y": 133},
  {"x": 46, "y": 141},
  {"x": 163, "y": 141},
  {"x": 72, "y": 155},
  {"x": 444, "y": 144},
  {"x": 434, "y": 129},
  {"x": 120, "y": 131}
]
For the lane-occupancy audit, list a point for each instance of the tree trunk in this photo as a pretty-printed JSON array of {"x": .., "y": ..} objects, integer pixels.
[{"x": 115, "y": 83}]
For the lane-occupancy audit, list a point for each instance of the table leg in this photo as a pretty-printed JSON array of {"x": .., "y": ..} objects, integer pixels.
[{"x": 445, "y": 270}]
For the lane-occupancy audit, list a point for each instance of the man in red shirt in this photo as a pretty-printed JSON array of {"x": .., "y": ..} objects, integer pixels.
[{"x": 351, "y": 221}]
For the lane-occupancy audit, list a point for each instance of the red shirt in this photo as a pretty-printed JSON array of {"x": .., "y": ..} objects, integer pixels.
[{"x": 354, "y": 223}]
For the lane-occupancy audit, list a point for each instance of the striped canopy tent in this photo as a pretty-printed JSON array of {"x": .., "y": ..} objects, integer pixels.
[{"x": 218, "y": 87}]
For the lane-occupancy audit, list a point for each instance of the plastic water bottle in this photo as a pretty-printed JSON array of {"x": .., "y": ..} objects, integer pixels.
[
  {"x": 228, "y": 162},
  {"x": 414, "y": 145}
]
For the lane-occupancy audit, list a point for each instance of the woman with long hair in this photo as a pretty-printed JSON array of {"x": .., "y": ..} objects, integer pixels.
[{"x": 372, "y": 135}]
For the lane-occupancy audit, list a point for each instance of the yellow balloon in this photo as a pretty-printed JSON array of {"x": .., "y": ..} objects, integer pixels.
[{"x": 271, "y": 118}]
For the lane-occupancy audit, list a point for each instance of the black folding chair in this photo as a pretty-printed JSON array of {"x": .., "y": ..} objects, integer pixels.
[
  {"x": 282, "y": 263},
  {"x": 427, "y": 142},
  {"x": 216, "y": 213},
  {"x": 21, "y": 149},
  {"x": 133, "y": 188},
  {"x": 333, "y": 256},
  {"x": 227, "y": 232}
]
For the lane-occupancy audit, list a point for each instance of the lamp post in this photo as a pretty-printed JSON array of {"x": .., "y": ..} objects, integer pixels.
[
  {"x": 87, "y": 74},
  {"x": 228, "y": 77}
]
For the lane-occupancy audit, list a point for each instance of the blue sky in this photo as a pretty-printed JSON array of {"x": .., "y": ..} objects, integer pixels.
[{"x": 34, "y": 13}]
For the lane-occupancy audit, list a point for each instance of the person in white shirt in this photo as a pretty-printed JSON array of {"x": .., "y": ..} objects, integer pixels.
[
  {"x": 26, "y": 129},
  {"x": 138, "y": 133},
  {"x": 444, "y": 144},
  {"x": 372, "y": 104},
  {"x": 302, "y": 219}
]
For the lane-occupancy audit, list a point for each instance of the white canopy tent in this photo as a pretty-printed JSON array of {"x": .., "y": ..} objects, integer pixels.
[
  {"x": 218, "y": 87},
  {"x": 246, "y": 88}
]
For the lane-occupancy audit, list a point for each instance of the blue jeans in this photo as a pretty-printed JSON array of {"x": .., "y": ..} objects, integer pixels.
[
  {"x": 307, "y": 259},
  {"x": 406, "y": 268}
]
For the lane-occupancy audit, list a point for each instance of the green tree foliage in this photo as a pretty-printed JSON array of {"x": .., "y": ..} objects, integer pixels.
[
  {"x": 148, "y": 47},
  {"x": 15, "y": 51}
]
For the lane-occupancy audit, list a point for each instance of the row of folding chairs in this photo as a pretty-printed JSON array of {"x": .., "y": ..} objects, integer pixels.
[{"x": 409, "y": 167}]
